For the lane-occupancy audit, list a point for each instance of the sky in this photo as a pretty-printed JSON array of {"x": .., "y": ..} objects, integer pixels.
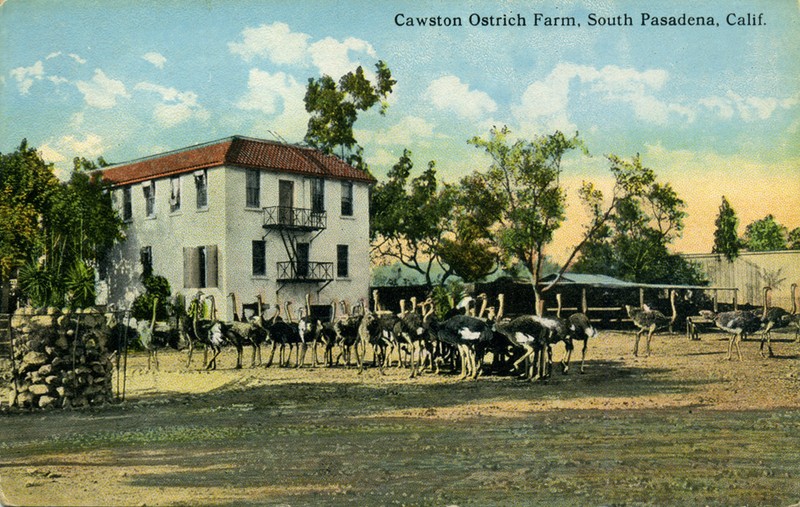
[{"x": 713, "y": 109}]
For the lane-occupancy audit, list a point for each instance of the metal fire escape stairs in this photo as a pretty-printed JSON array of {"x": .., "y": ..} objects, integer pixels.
[{"x": 294, "y": 224}]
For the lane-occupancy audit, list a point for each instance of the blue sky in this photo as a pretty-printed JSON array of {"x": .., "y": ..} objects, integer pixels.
[{"x": 714, "y": 110}]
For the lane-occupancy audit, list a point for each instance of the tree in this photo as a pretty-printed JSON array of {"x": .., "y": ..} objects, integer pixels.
[
  {"x": 793, "y": 239},
  {"x": 764, "y": 235},
  {"x": 27, "y": 186},
  {"x": 726, "y": 239},
  {"x": 633, "y": 243},
  {"x": 56, "y": 232},
  {"x": 522, "y": 201},
  {"x": 415, "y": 222},
  {"x": 334, "y": 109}
]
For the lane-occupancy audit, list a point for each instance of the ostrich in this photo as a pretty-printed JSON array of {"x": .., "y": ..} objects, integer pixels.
[
  {"x": 774, "y": 318},
  {"x": 583, "y": 331},
  {"x": 197, "y": 328},
  {"x": 532, "y": 334},
  {"x": 282, "y": 334},
  {"x": 347, "y": 336},
  {"x": 412, "y": 330},
  {"x": 650, "y": 321},
  {"x": 147, "y": 337},
  {"x": 466, "y": 333},
  {"x": 237, "y": 333},
  {"x": 736, "y": 323}
]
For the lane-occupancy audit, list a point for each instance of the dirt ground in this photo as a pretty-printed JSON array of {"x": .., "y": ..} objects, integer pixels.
[{"x": 183, "y": 435}]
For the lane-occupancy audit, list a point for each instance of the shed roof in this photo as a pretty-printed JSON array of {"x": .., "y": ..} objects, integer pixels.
[
  {"x": 610, "y": 282},
  {"x": 235, "y": 151}
]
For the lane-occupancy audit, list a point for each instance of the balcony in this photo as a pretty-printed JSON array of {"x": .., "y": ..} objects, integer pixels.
[
  {"x": 298, "y": 219},
  {"x": 305, "y": 271}
]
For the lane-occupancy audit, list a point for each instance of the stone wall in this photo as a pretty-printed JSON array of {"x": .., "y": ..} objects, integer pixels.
[{"x": 60, "y": 358}]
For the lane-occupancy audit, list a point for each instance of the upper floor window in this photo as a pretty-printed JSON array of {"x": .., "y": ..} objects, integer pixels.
[
  {"x": 253, "y": 188},
  {"x": 175, "y": 194},
  {"x": 317, "y": 195},
  {"x": 259, "y": 258},
  {"x": 146, "y": 258},
  {"x": 342, "y": 261},
  {"x": 149, "y": 189},
  {"x": 347, "y": 198},
  {"x": 201, "y": 188},
  {"x": 127, "y": 204}
]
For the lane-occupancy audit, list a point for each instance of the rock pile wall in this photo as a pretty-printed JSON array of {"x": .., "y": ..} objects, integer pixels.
[{"x": 60, "y": 358}]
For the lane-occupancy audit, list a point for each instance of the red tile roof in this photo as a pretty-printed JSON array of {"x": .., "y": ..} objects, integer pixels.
[{"x": 235, "y": 151}]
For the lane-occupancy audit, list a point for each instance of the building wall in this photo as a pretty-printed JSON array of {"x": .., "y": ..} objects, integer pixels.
[
  {"x": 751, "y": 272},
  {"x": 228, "y": 224}
]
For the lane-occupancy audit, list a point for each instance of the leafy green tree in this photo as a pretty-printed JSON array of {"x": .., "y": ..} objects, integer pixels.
[
  {"x": 27, "y": 187},
  {"x": 334, "y": 109},
  {"x": 414, "y": 222},
  {"x": 793, "y": 239},
  {"x": 764, "y": 235},
  {"x": 522, "y": 202},
  {"x": 726, "y": 239},
  {"x": 156, "y": 288},
  {"x": 633, "y": 242},
  {"x": 56, "y": 232}
]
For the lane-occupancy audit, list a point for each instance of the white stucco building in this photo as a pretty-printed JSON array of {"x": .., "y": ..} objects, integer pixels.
[{"x": 244, "y": 216}]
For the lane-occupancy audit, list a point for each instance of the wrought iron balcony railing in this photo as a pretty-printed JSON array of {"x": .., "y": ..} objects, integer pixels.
[
  {"x": 294, "y": 271},
  {"x": 287, "y": 217}
]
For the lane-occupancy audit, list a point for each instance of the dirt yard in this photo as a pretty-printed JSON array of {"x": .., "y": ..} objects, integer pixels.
[{"x": 681, "y": 427}]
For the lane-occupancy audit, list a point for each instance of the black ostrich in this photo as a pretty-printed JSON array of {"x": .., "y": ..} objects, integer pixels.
[
  {"x": 583, "y": 331},
  {"x": 737, "y": 323},
  {"x": 774, "y": 318},
  {"x": 467, "y": 334},
  {"x": 527, "y": 333},
  {"x": 650, "y": 321}
]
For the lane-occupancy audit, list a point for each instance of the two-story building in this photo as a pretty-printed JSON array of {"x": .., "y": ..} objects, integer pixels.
[{"x": 244, "y": 216}]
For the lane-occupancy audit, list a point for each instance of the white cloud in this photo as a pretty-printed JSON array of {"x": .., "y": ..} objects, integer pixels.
[
  {"x": 276, "y": 42},
  {"x": 157, "y": 59},
  {"x": 77, "y": 58},
  {"x": 177, "y": 106},
  {"x": 450, "y": 94},
  {"x": 332, "y": 57},
  {"x": 25, "y": 76},
  {"x": 410, "y": 129},
  {"x": 270, "y": 93},
  {"x": 280, "y": 45},
  {"x": 749, "y": 108},
  {"x": 278, "y": 96},
  {"x": 102, "y": 92},
  {"x": 55, "y": 54},
  {"x": 57, "y": 80},
  {"x": 64, "y": 149},
  {"x": 546, "y": 102}
]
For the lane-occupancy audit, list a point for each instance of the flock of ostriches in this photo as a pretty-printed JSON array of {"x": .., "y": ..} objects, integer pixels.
[{"x": 416, "y": 339}]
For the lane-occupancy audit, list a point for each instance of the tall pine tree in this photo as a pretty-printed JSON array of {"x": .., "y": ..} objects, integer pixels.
[{"x": 726, "y": 240}]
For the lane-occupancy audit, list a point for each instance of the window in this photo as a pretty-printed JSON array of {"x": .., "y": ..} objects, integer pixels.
[
  {"x": 317, "y": 195},
  {"x": 259, "y": 258},
  {"x": 175, "y": 194},
  {"x": 253, "y": 188},
  {"x": 149, "y": 199},
  {"x": 301, "y": 263},
  {"x": 127, "y": 204},
  {"x": 146, "y": 258},
  {"x": 201, "y": 187},
  {"x": 342, "y": 261},
  {"x": 200, "y": 267},
  {"x": 347, "y": 198}
]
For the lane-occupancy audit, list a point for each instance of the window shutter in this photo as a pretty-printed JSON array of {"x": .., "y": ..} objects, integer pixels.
[
  {"x": 191, "y": 266},
  {"x": 212, "y": 278}
]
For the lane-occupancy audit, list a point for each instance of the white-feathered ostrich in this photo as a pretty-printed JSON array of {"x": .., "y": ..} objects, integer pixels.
[
  {"x": 736, "y": 323},
  {"x": 198, "y": 328},
  {"x": 466, "y": 333},
  {"x": 527, "y": 333},
  {"x": 650, "y": 321},
  {"x": 774, "y": 317},
  {"x": 583, "y": 331}
]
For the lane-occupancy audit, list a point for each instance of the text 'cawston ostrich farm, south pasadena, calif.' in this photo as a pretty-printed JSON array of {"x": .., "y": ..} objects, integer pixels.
[{"x": 539, "y": 19}]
